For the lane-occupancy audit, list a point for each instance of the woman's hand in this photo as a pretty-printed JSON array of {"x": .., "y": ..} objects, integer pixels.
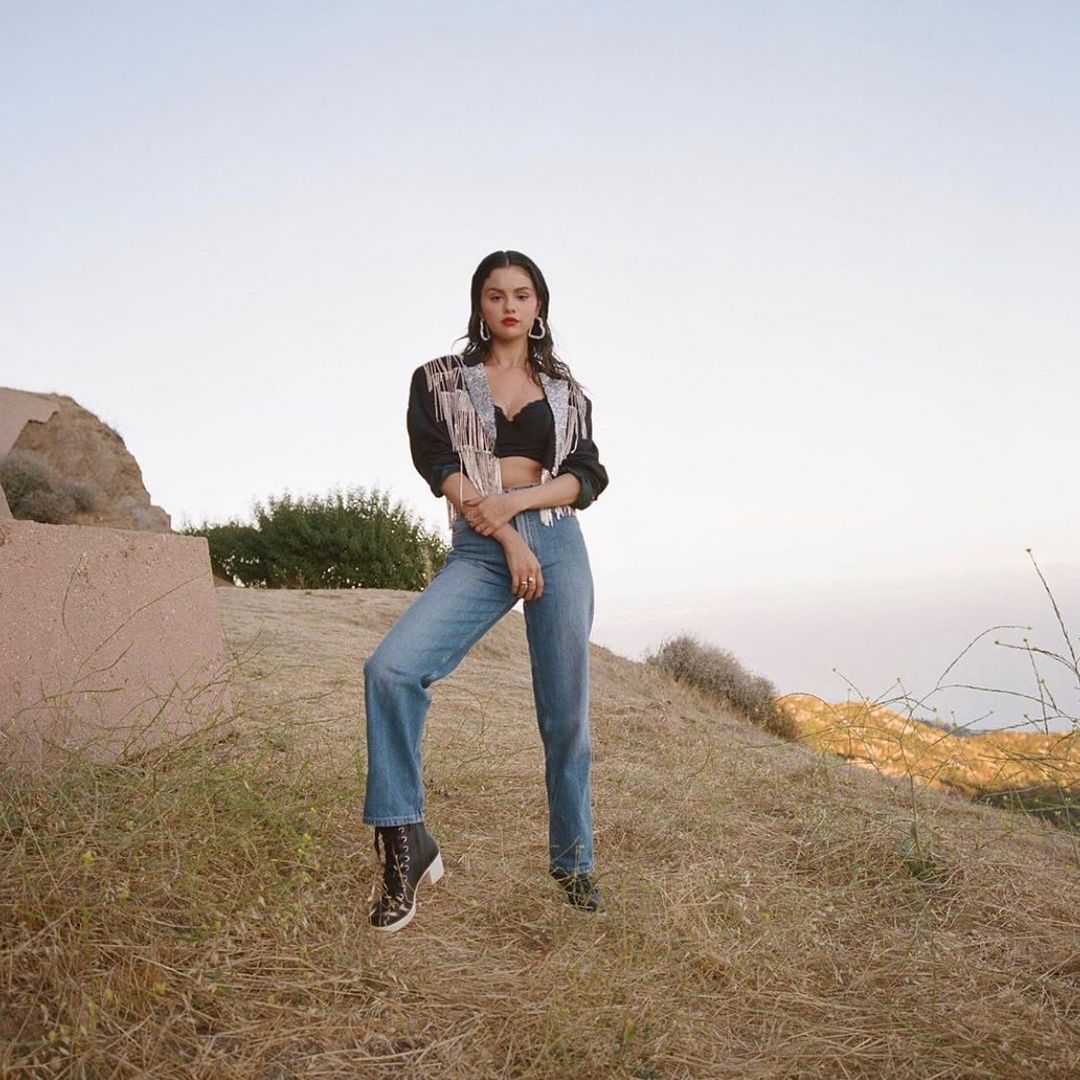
[
  {"x": 526, "y": 578},
  {"x": 490, "y": 512}
]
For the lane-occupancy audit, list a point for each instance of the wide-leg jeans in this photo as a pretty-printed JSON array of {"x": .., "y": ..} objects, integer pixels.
[{"x": 461, "y": 603}]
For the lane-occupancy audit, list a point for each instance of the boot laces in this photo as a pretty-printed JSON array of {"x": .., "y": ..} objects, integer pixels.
[{"x": 395, "y": 858}]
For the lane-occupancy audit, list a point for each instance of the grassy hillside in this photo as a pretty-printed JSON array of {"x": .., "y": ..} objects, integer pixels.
[
  {"x": 1043, "y": 768},
  {"x": 773, "y": 911}
]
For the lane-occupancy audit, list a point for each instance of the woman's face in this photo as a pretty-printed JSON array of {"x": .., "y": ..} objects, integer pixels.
[{"x": 508, "y": 303}]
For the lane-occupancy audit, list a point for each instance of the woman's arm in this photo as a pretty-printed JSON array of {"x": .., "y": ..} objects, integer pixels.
[
  {"x": 487, "y": 514},
  {"x": 561, "y": 491},
  {"x": 460, "y": 490},
  {"x": 584, "y": 463},
  {"x": 526, "y": 575},
  {"x": 429, "y": 439}
]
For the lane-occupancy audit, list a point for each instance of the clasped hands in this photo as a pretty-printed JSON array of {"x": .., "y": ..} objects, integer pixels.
[{"x": 489, "y": 513}]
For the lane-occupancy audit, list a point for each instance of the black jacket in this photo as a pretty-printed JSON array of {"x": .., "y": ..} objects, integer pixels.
[{"x": 450, "y": 421}]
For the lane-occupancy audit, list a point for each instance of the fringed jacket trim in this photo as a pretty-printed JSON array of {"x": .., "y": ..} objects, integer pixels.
[{"x": 451, "y": 424}]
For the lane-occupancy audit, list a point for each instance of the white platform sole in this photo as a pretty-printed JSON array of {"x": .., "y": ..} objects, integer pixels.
[{"x": 435, "y": 870}]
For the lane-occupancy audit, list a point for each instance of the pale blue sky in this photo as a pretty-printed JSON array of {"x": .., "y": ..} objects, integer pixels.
[{"x": 817, "y": 264}]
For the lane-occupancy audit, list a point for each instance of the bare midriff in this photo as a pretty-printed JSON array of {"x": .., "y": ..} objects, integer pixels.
[{"x": 516, "y": 471}]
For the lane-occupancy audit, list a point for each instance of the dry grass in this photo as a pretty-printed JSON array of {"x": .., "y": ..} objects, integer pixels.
[
  {"x": 203, "y": 913},
  {"x": 872, "y": 735}
]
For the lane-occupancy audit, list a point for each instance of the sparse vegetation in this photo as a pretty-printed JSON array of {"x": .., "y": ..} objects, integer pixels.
[
  {"x": 36, "y": 492},
  {"x": 718, "y": 673},
  {"x": 201, "y": 911},
  {"x": 1055, "y": 803},
  {"x": 344, "y": 540},
  {"x": 1034, "y": 771},
  {"x": 1031, "y": 771}
]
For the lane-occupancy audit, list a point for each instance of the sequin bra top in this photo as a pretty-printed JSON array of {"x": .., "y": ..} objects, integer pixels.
[{"x": 528, "y": 434}]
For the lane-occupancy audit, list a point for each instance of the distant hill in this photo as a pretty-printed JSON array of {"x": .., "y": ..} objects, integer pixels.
[{"x": 985, "y": 764}]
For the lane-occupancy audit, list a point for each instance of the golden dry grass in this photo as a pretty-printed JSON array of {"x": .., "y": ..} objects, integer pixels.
[
  {"x": 771, "y": 912},
  {"x": 900, "y": 746}
]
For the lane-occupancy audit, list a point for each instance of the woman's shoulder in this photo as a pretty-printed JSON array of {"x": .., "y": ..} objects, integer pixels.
[
  {"x": 440, "y": 363},
  {"x": 441, "y": 366}
]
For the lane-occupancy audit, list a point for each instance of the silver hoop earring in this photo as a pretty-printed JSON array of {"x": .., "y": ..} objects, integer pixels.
[
  {"x": 543, "y": 330},
  {"x": 485, "y": 333}
]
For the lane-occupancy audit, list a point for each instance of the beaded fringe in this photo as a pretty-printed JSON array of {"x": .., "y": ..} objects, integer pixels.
[{"x": 470, "y": 438}]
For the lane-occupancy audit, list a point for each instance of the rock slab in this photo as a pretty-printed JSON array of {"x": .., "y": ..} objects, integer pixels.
[{"x": 82, "y": 448}]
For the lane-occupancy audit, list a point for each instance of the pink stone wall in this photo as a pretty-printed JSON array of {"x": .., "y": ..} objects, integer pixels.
[{"x": 110, "y": 640}]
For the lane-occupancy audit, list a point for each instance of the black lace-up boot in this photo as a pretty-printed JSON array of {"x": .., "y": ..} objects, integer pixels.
[
  {"x": 409, "y": 853},
  {"x": 581, "y": 891}
]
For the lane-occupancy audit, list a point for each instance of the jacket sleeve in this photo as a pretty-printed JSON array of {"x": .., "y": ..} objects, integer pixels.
[
  {"x": 584, "y": 463},
  {"x": 429, "y": 437}
]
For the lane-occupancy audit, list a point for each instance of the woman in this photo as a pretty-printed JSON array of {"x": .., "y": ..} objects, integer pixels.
[{"x": 504, "y": 432}]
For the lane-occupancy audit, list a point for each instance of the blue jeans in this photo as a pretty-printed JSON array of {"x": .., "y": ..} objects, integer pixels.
[{"x": 460, "y": 604}]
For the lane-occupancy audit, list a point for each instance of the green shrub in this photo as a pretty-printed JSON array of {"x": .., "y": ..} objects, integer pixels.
[
  {"x": 36, "y": 492},
  {"x": 344, "y": 540},
  {"x": 237, "y": 552},
  {"x": 718, "y": 673}
]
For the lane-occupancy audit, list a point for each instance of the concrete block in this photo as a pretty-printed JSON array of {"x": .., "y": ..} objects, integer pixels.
[{"x": 110, "y": 641}]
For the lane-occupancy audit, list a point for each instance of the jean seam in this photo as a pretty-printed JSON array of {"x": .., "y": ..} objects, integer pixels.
[{"x": 397, "y": 820}]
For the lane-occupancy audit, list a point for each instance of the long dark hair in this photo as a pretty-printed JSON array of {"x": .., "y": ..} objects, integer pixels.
[{"x": 541, "y": 355}]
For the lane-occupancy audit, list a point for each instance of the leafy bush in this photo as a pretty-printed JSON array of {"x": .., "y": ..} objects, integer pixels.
[
  {"x": 717, "y": 672},
  {"x": 36, "y": 492},
  {"x": 237, "y": 552},
  {"x": 344, "y": 540}
]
